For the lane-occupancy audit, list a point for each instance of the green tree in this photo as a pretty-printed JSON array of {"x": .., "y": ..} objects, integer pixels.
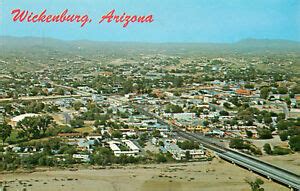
[
  {"x": 116, "y": 134},
  {"x": 156, "y": 133},
  {"x": 238, "y": 143},
  {"x": 267, "y": 148},
  {"x": 5, "y": 131},
  {"x": 264, "y": 92},
  {"x": 205, "y": 123},
  {"x": 284, "y": 135},
  {"x": 296, "y": 89},
  {"x": 264, "y": 133},
  {"x": 34, "y": 127},
  {"x": 188, "y": 145},
  {"x": 188, "y": 155},
  {"x": 249, "y": 134},
  {"x": 160, "y": 158},
  {"x": 60, "y": 91},
  {"x": 224, "y": 113},
  {"x": 102, "y": 156},
  {"x": 294, "y": 143},
  {"x": 77, "y": 105},
  {"x": 249, "y": 86},
  {"x": 127, "y": 86},
  {"x": 256, "y": 185},
  {"x": 170, "y": 108},
  {"x": 77, "y": 122},
  {"x": 281, "y": 151},
  {"x": 283, "y": 124},
  {"x": 282, "y": 90},
  {"x": 177, "y": 93}
]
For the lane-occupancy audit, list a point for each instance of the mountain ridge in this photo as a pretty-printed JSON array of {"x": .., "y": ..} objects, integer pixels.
[{"x": 38, "y": 44}]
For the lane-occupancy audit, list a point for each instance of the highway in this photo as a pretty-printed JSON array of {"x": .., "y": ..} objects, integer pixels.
[{"x": 251, "y": 163}]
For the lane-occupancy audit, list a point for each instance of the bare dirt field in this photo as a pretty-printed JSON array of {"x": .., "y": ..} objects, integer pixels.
[
  {"x": 216, "y": 175},
  {"x": 290, "y": 162}
]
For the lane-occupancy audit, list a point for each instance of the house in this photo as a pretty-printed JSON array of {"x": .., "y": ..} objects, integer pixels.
[
  {"x": 98, "y": 98},
  {"x": 184, "y": 116},
  {"x": 94, "y": 137},
  {"x": 129, "y": 133},
  {"x": 83, "y": 144},
  {"x": 243, "y": 92},
  {"x": 297, "y": 97},
  {"x": 293, "y": 102},
  {"x": 81, "y": 157},
  {"x": 194, "y": 128},
  {"x": 65, "y": 102},
  {"x": 215, "y": 132},
  {"x": 87, "y": 89}
]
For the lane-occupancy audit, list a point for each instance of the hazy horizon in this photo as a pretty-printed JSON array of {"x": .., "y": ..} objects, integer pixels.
[{"x": 174, "y": 42}]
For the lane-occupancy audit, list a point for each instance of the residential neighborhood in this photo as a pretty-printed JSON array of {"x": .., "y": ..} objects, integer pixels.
[{"x": 151, "y": 109}]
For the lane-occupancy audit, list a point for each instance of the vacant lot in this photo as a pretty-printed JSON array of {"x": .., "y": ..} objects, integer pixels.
[{"x": 216, "y": 175}]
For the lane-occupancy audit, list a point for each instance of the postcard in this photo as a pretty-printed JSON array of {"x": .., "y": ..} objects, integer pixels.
[{"x": 149, "y": 95}]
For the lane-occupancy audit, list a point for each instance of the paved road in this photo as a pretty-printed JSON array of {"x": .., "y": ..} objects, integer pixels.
[
  {"x": 268, "y": 170},
  {"x": 285, "y": 109},
  {"x": 27, "y": 98},
  {"x": 41, "y": 98}
]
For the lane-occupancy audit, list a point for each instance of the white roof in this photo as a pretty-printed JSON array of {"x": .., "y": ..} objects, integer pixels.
[
  {"x": 23, "y": 116},
  {"x": 114, "y": 147},
  {"x": 131, "y": 145}
]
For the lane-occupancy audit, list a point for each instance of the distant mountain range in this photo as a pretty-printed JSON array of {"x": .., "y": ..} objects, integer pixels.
[{"x": 10, "y": 44}]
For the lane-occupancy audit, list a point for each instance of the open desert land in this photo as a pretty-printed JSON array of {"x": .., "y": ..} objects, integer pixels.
[
  {"x": 214, "y": 175},
  {"x": 290, "y": 162}
]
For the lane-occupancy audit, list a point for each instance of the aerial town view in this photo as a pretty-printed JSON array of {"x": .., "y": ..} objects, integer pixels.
[{"x": 153, "y": 107}]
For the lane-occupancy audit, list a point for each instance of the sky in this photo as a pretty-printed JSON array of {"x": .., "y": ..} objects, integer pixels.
[{"x": 174, "y": 20}]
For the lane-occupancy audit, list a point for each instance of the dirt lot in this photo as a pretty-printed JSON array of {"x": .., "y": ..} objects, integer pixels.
[{"x": 216, "y": 175}]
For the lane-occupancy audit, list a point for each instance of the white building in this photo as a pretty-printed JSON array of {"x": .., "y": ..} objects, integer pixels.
[
  {"x": 124, "y": 147},
  {"x": 81, "y": 157},
  {"x": 179, "y": 154}
]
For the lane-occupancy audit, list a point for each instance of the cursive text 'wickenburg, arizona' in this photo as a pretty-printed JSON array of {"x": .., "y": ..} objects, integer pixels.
[{"x": 65, "y": 17}]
